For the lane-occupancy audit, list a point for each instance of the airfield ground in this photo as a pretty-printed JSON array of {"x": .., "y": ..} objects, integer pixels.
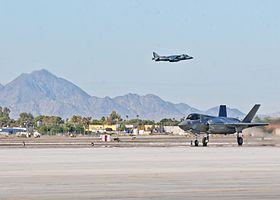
[
  {"x": 175, "y": 171},
  {"x": 132, "y": 141}
]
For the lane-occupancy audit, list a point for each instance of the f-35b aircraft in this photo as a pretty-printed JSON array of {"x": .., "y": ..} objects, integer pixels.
[
  {"x": 204, "y": 124},
  {"x": 173, "y": 58}
]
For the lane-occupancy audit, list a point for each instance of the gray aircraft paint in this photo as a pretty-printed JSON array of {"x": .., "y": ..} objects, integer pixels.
[
  {"x": 199, "y": 123},
  {"x": 172, "y": 58}
]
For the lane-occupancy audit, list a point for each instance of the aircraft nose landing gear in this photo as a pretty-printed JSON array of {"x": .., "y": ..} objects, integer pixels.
[
  {"x": 196, "y": 142},
  {"x": 205, "y": 141}
]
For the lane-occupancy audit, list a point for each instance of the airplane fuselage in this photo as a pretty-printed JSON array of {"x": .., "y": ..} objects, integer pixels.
[
  {"x": 208, "y": 124},
  {"x": 172, "y": 58},
  {"x": 199, "y": 123}
]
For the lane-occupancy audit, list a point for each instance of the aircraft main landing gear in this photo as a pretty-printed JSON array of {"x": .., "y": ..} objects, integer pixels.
[
  {"x": 205, "y": 140},
  {"x": 196, "y": 142},
  {"x": 239, "y": 140}
]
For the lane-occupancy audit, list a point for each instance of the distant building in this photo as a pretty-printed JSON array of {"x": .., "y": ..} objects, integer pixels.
[
  {"x": 130, "y": 126},
  {"x": 12, "y": 130},
  {"x": 101, "y": 128},
  {"x": 174, "y": 130},
  {"x": 276, "y": 132},
  {"x": 143, "y": 129},
  {"x": 151, "y": 127}
]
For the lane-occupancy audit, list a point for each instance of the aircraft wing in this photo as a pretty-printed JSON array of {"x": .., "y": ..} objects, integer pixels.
[{"x": 173, "y": 57}]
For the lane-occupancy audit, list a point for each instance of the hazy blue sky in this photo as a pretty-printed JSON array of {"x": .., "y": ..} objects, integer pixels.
[{"x": 105, "y": 47}]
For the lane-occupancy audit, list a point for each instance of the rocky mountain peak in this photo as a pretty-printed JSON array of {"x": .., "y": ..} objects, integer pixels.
[{"x": 43, "y": 93}]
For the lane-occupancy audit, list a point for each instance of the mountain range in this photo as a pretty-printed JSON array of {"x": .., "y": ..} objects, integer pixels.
[{"x": 43, "y": 93}]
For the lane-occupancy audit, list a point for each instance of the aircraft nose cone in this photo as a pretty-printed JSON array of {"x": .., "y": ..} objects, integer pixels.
[
  {"x": 181, "y": 124},
  {"x": 185, "y": 125}
]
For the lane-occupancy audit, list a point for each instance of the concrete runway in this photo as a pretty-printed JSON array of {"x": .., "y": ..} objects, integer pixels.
[
  {"x": 134, "y": 141},
  {"x": 140, "y": 173}
]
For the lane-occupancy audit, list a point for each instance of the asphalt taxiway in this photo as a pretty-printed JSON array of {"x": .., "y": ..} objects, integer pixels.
[{"x": 140, "y": 173}]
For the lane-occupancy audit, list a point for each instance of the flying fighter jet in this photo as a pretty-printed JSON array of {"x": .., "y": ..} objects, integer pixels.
[
  {"x": 199, "y": 123},
  {"x": 173, "y": 58}
]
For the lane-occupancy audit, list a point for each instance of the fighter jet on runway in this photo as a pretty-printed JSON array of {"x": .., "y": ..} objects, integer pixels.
[
  {"x": 199, "y": 123},
  {"x": 173, "y": 58}
]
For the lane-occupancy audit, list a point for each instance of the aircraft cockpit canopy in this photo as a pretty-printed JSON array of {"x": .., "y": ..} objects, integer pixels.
[{"x": 193, "y": 116}]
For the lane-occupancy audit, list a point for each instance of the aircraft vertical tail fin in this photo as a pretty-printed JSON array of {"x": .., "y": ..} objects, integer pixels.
[
  {"x": 223, "y": 111},
  {"x": 155, "y": 55},
  {"x": 251, "y": 114}
]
